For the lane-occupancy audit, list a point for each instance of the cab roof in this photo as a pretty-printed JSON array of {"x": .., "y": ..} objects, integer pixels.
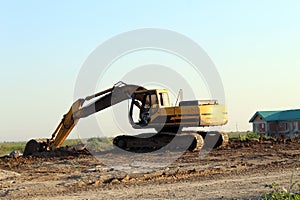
[{"x": 152, "y": 91}]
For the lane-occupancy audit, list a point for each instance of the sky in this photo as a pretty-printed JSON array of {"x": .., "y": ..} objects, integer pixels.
[{"x": 254, "y": 45}]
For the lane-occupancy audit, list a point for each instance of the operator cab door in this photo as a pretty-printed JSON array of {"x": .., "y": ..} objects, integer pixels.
[
  {"x": 143, "y": 106},
  {"x": 164, "y": 100}
]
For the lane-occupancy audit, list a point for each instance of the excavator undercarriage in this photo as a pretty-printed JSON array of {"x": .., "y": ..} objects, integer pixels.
[{"x": 187, "y": 140}]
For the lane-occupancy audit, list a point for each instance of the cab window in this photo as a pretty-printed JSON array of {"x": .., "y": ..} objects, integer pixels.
[{"x": 164, "y": 100}]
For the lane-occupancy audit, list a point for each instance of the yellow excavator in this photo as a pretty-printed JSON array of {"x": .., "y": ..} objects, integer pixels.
[{"x": 148, "y": 109}]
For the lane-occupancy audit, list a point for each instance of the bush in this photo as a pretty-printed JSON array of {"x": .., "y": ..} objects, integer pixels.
[
  {"x": 236, "y": 135},
  {"x": 243, "y": 135},
  {"x": 249, "y": 135},
  {"x": 253, "y": 135}
]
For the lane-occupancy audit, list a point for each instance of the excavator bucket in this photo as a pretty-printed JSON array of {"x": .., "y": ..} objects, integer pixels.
[{"x": 34, "y": 146}]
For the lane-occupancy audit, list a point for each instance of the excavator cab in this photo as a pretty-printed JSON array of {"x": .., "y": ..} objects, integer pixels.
[{"x": 145, "y": 104}]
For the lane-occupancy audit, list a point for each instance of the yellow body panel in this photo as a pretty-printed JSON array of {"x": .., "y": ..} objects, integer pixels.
[
  {"x": 213, "y": 115},
  {"x": 191, "y": 116}
]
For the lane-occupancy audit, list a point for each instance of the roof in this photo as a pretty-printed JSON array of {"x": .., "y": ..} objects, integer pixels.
[{"x": 283, "y": 115}]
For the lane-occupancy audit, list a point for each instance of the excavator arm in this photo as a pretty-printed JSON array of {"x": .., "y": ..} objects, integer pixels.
[{"x": 104, "y": 99}]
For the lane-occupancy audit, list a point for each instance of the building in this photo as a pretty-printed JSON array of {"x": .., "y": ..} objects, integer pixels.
[{"x": 284, "y": 123}]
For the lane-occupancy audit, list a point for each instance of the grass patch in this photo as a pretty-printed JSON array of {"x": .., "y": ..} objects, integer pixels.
[
  {"x": 71, "y": 142},
  {"x": 236, "y": 135},
  {"x": 281, "y": 193},
  {"x": 95, "y": 144},
  {"x": 243, "y": 135},
  {"x": 7, "y": 147}
]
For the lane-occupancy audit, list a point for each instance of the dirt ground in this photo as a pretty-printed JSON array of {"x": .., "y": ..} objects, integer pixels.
[{"x": 241, "y": 170}]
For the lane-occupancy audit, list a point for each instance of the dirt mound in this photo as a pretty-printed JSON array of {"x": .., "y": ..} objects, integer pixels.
[
  {"x": 261, "y": 143},
  {"x": 60, "y": 152}
]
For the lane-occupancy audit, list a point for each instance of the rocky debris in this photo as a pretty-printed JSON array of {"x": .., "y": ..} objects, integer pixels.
[
  {"x": 5, "y": 174},
  {"x": 15, "y": 154}
]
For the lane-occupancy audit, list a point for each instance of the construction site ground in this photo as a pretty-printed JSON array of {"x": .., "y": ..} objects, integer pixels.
[{"x": 241, "y": 170}]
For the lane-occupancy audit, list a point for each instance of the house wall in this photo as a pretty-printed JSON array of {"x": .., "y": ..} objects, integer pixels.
[
  {"x": 259, "y": 127},
  {"x": 287, "y": 129},
  {"x": 272, "y": 127},
  {"x": 283, "y": 127}
]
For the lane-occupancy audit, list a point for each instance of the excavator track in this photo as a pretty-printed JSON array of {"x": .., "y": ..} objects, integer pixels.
[
  {"x": 225, "y": 139},
  {"x": 197, "y": 143},
  {"x": 214, "y": 139},
  {"x": 191, "y": 141},
  {"x": 150, "y": 142}
]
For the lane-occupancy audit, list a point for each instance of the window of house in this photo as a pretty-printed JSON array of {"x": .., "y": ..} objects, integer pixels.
[
  {"x": 283, "y": 126},
  {"x": 295, "y": 126},
  {"x": 261, "y": 128},
  {"x": 272, "y": 127}
]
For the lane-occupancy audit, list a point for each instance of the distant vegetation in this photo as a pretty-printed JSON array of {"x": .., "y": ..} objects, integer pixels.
[
  {"x": 94, "y": 144},
  {"x": 71, "y": 142},
  {"x": 99, "y": 144},
  {"x": 243, "y": 135},
  {"x": 7, "y": 147}
]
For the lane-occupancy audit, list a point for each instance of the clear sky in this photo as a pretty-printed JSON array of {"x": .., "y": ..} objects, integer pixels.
[{"x": 254, "y": 44}]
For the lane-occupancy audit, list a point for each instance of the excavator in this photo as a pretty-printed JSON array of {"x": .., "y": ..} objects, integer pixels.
[{"x": 149, "y": 108}]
